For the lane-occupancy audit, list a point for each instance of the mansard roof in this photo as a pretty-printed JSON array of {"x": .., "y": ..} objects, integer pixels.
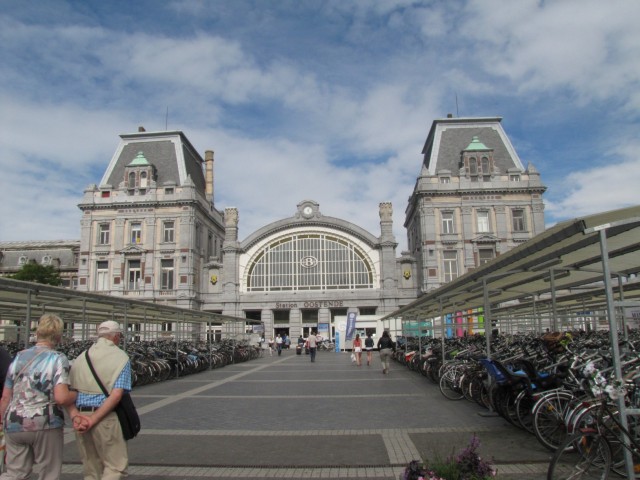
[
  {"x": 450, "y": 136},
  {"x": 171, "y": 153}
]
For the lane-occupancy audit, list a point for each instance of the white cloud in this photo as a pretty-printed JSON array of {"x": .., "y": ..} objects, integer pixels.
[
  {"x": 584, "y": 46},
  {"x": 343, "y": 123},
  {"x": 599, "y": 189}
]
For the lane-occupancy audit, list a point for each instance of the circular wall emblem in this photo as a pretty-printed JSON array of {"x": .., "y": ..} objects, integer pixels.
[{"x": 308, "y": 262}]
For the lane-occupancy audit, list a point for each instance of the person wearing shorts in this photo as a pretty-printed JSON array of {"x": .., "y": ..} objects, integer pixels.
[{"x": 368, "y": 346}]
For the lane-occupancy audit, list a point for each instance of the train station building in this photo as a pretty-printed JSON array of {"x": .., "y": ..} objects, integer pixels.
[{"x": 151, "y": 230}]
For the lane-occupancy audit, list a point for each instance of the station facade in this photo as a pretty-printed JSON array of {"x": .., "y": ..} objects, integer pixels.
[{"x": 151, "y": 230}]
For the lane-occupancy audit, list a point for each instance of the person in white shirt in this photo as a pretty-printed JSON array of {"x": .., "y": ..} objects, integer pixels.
[{"x": 312, "y": 343}]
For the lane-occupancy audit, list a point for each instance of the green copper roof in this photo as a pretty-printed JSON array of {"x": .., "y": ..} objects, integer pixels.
[
  {"x": 138, "y": 161},
  {"x": 476, "y": 145}
]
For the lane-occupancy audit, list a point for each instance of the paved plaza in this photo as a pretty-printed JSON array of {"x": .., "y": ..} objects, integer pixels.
[{"x": 285, "y": 417}]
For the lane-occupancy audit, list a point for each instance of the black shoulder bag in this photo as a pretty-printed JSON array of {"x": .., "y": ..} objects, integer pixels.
[{"x": 126, "y": 410}]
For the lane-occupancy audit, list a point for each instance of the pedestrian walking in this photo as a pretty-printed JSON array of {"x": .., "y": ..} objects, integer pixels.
[
  {"x": 386, "y": 347},
  {"x": 357, "y": 349},
  {"x": 368, "y": 346},
  {"x": 279, "y": 344},
  {"x": 312, "y": 343},
  {"x": 99, "y": 438},
  {"x": 35, "y": 390}
]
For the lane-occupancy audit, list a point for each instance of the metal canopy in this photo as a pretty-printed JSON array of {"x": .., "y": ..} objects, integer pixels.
[
  {"x": 562, "y": 266},
  {"x": 26, "y": 300}
]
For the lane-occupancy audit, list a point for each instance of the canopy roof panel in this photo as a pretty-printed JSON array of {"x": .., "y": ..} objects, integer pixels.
[
  {"x": 567, "y": 255},
  {"x": 19, "y": 300}
]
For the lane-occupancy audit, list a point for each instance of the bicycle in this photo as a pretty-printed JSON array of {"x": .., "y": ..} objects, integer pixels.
[{"x": 597, "y": 448}]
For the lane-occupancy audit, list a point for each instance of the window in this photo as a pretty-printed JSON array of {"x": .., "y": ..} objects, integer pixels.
[
  {"x": 167, "y": 327},
  {"x": 485, "y": 166},
  {"x": 514, "y": 178},
  {"x": 309, "y": 316},
  {"x": 102, "y": 276},
  {"x": 168, "y": 191},
  {"x": 22, "y": 260},
  {"x": 367, "y": 310},
  {"x": 46, "y": 260},
  {"x": 143, "y": 179},
  {"x": 518, "y": 220},
  {"x": 132, "y": 180},
  {"x": 135, "y": 275},
  {"x": 281, "y": 316},
  {"x": 450, "y": 265},
  {"x": 166, "y": 274},
  {"x": 103, "y": 234},
  {"x": 483, "y": 221},
  {"x": 485, "y": 255},
  {"x": 168, "y": 229},
  {"x": 473, "y": 166},
  {"x": 198, "y": 240},
  {"x": 445, "y": 179},
  {"x": 309, "y": 261},
  {"x": 136, "y": 232},
  {"x": 448, "y": 225}
]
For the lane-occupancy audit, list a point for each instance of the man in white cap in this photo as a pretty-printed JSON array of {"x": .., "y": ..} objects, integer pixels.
[{"x": 98, "y": 433}]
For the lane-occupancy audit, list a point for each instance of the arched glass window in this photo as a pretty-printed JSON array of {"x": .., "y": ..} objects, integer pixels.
[
  {"x": 485, "y": 166},
  {"x": 473, "y": 166},
  {"x": 132, "y": 179},
  {"x": 143, "y": 179},
  {"x": 309, "y": 261}
]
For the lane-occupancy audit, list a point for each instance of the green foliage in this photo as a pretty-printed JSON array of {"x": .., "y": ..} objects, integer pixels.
[
  {"x": 444, "y": 468},
  {"x": 34, "y": 272},
  {"x": 467, "y": 465}
]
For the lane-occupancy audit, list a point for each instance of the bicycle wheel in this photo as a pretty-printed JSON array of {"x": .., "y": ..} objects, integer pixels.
[
  {"x": 448, "y": 386},
  {"x": 585, "y": 456},
  {"x": 524, "y": 407},
  {"x": 548, "y": 419},
  {"x": 465, "y": 385}
]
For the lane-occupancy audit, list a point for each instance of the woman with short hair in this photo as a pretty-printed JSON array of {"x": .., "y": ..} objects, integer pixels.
[{"x": 36, "y": 388}]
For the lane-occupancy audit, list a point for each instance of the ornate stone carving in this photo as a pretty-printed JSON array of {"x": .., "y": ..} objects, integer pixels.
[
  {"x": 537, "y": 207},
  {"x": 428, "y": 211},
  {"x": 386, "y": 211},
  {"x": 231, "y": 217}
]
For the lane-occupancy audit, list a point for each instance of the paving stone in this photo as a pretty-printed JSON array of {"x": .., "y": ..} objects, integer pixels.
[{"x": 285, "y": 417}]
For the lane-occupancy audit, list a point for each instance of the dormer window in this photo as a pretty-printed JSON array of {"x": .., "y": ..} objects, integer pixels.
[
  {"x": 473, "y": 166},
  {"x": 22, "y": 260},
  {"x": 139, "y": 175},
  {"x": 477, "y": 161},
  {"x": 46, "y": 260}
]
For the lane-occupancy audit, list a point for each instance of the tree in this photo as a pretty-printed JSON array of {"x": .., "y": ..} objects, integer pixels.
[{"x": 34, "y": 272}]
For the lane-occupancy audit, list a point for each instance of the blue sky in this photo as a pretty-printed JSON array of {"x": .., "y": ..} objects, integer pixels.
[{"x": 324, "y": 100}]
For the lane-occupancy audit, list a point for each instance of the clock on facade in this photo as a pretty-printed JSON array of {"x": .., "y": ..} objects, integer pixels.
[{"x": 307, "y": 211}]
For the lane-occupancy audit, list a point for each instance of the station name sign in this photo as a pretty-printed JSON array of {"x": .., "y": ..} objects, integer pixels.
[{"x": 320, "y": 304}]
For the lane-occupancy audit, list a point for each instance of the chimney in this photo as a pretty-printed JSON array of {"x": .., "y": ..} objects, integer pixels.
[
  {"x": 141, "y": 129},
  {"x": 208, "y": 179},
  {"x": 449, "y": 115}
]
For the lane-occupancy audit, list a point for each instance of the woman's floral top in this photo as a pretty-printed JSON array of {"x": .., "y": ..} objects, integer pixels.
[{"x": 32, "y": 407}]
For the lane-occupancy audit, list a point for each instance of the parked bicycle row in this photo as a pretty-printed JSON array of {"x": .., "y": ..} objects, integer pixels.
[
  {"x": 553, "y": 386},
  {"x": 157, "y": 361}
]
